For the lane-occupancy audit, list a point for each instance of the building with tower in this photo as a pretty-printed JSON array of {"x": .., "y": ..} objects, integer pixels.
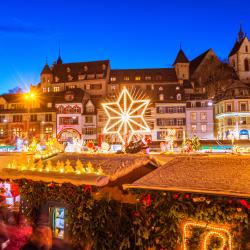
[{"x": 239, "y": 57}]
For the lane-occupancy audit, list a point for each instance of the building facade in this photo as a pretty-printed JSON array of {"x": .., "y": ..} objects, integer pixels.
[
  {"x": 200, "y": 118},
  {"x": 70, "y": 97}
]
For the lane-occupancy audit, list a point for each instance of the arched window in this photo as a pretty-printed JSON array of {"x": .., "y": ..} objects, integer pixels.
[
  {"x": 60, "y": 109},
  {"x": 68, "y": 110},
  {"x": 246, "y": 64},
  {"x": 76, "y": 109}
]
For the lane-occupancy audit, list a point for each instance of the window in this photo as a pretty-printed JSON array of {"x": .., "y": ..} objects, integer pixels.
[
  {"x": 180, "y": 122},
  {"x": 68, "y": 121},
  {"x": 88, "y": 119},
  {"x": 48, "y": 89},
  {"x": 89, "y": 131},
  {"x": 17, "y": 118},
  {"x": 229, "y": 108},
  {"x": 90, "y": 109},
  {"x": 49, "y": 105},
  {"x": 2, "y": 133},
  {"x": 193, "y": 116},
  {"x": 16, "y": 132},
  {"x": 60, "y": 109},
  {"x": 180, "y": 109},
  {"x": 90, "y": 76},
  {"x": 246, "y": 48},
  {"x": 2, "y": 118},
  {"x": 203, "y": 116},
  {"x": 44, "y": 90},
  {"x": 148, "y": 78},
  {"x": 203, "y": 128},
  {"x": 56, "y": 89},
  {"x": 68, "y": 110},
  {"x": 178, "y": 97},
  {"x": 102, "y": 118},
  {"x": 158, "y": 78},
  {"x": 113, "y": 87},
  {"x": 95, "y": 86},
  {"x": 1, "y": 106},
  {"x": 243, "y": 107},
  {"x": 33, "y": 117},
  {"x": 229, "y": 121},
  {"x": 48, "y": 117},
  {"x": 161, "y": 97},
  {"x": 137, "y": 78},
  {"x": 71, "y": 86},
  {"x": 112, "y": 78},
  {"x": 243, "y": 120},
  {"x": 246, "y": 64},
  {"x": 193, "y": 127},
  {"x": 76, "y": 109},
  {"x": 48, "y": 130},
  {"x": 126, "y": 78},
  {"x": 81, "y": 77}
]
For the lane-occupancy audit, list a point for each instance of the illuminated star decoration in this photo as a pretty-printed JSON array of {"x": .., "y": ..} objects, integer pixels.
[{"x": 126, "y": 117}]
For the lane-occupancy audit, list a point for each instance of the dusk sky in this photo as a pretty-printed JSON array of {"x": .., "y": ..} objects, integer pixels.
[{"x": 132, "y": 33}]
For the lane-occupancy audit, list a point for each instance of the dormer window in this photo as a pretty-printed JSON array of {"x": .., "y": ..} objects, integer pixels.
[
  {"x": 126, "y": 78},
  {"x": 104, "y": 66},
  {"x": 56, "y": 79},
  {"x": 68, "y": 69},
  {"x": 70, "y": 77},
  {"x": 81, "y": 77},
  {"x": 112, "y": 78},
  {"x": 178, "y": 97},
  {"x": 85, "y": 68},
  {"x": 137, "y": 78}
]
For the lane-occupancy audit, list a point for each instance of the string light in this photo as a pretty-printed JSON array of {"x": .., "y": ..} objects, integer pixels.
[
  {"x": 218, "y": 231},
  {"x": 126, "y": 115}
]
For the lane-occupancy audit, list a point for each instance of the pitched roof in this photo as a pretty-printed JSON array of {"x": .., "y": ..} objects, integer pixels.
[
  {"x": 199, "y": 174},
  {"x": 236, "y": 47},
  {"x": 181, "y": 57},
  {"x": 197, "y": 60},
  {"x": 64, "y": 72},
  {"x": 46, "y": 69},
  {"x": 156, "y": 74}
]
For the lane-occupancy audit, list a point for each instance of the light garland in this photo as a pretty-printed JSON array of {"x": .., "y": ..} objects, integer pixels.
[
  {"x": 218, "y": 231},
  {"x": 127, "y": 114}
]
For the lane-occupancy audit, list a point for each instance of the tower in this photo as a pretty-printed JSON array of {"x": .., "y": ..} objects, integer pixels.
[
  {"x": 46, "y": 78},
  {"x": 181, "y": 65},
  {"x": 239, "y": 57}
]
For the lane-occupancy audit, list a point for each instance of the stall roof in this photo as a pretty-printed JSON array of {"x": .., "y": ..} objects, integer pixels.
[{"x": 214, "y": 174}]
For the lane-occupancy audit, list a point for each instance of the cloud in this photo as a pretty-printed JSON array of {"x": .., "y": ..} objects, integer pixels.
[{"x": 18, "y": 26}]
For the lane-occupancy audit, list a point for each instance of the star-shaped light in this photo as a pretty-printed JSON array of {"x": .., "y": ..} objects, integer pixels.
[{"x": 126, "y": 116}]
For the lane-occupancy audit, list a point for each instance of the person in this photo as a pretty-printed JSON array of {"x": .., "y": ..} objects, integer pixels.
[{"x": 41, "y": 239}]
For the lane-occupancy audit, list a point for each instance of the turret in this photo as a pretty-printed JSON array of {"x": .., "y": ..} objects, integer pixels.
[{"x": 181, "y": 65}]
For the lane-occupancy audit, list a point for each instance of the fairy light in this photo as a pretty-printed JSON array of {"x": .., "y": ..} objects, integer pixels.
[
  {"x": 217, "y": 231},
  {"x": 125, "y": 115},
  {"x": 218, "y": 235}
]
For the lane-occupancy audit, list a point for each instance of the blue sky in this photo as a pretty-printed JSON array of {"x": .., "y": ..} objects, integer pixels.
[{"x": 132, "y": 33}]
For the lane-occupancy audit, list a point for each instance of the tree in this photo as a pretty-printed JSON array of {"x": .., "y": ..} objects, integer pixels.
[
  {"x": 196, "y": 143},
  {"x": 15, "y": 90}
]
